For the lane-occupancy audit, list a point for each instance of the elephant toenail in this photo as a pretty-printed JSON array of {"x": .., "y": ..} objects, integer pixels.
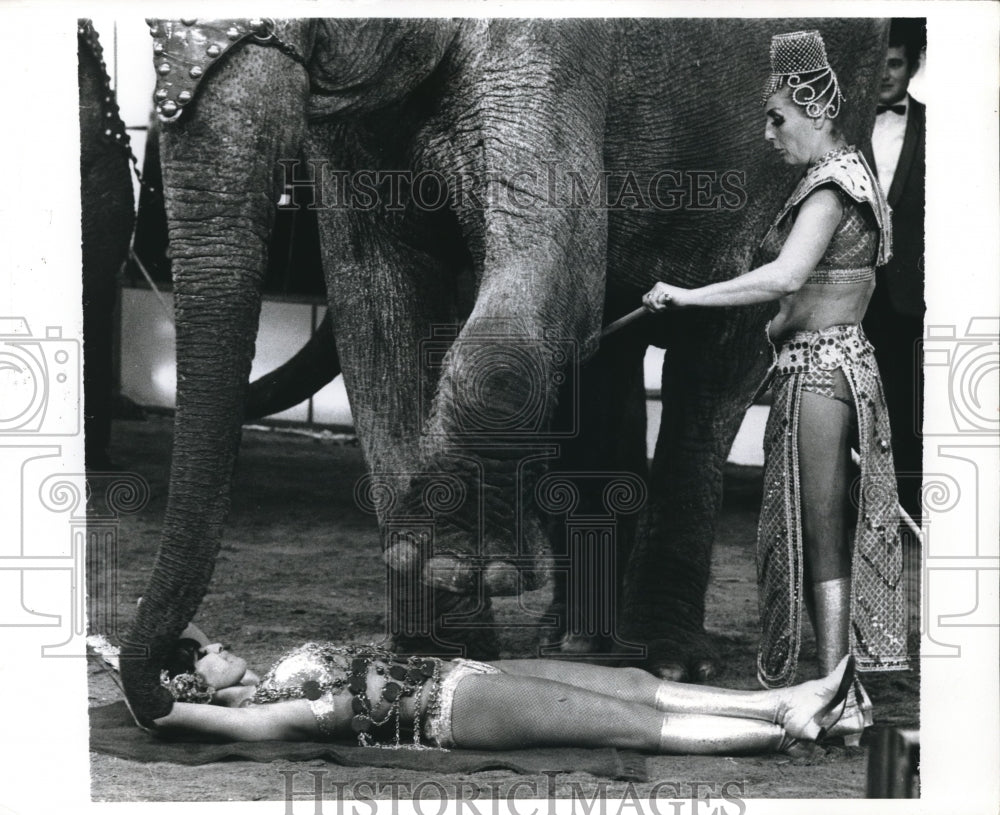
[
  {"x": 451, "y": 574},
  {"x": 705, "y": 671},
  {"x": 402, "y": 557},
  {"x": 501, "y": 578},
  {"x": 672, "y": 672}
]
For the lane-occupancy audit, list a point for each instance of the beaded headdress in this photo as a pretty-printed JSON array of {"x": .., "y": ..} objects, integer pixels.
[{"x": 798, "y": 60}]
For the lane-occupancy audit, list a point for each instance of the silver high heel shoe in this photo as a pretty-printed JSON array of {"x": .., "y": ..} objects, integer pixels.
[{"x": 796, "y": 716}]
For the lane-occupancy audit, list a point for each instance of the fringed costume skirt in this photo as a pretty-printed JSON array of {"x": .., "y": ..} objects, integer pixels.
[{"x": 808, "y": 360}]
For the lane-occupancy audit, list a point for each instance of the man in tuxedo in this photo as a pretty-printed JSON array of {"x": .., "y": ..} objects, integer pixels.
[{"x": 894, "y": 320}]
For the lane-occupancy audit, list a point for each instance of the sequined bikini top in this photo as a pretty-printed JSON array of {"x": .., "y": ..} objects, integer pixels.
[
  {"x": 862, "y": 239},
  {"x": 372, "y": 680}
]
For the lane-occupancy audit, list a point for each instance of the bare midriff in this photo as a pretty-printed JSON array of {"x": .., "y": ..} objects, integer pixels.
[{"x": 820, "y": 305}]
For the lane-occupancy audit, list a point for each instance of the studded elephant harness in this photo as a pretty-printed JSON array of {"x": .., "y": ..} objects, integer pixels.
[
  {"x": 185, "y": 51},
  {"x": 112, "y": 126}
]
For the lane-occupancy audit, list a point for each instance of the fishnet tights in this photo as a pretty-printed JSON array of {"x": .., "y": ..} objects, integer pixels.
[{"x": 503, "y": 711}]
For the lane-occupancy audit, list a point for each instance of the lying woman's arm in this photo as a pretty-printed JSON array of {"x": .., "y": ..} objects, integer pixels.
[
  {"x": 291, "y": 720},
  {"x": 814, "y": 225}
]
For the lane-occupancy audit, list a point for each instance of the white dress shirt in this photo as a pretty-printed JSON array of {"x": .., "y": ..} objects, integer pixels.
[{"x": 887, "y": 143}]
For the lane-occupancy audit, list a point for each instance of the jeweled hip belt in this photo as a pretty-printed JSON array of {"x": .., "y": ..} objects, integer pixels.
[{"x": 825, "y": 349}]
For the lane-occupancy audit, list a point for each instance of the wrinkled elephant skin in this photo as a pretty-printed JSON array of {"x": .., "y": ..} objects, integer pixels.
[
  {"x": 107, "y": 215},
  {"x": 293, "y": 253},
  {"x": 460, "y": 425}
]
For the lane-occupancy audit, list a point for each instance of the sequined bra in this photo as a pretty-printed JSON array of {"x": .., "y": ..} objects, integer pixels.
[
  {"x": 862, "y": 239},
  {"x": 372, "y": 680}
]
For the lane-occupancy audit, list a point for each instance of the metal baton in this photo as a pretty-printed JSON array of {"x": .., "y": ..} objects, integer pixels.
[
  {"x": 621, "y": 322},
  {"x": 903, "y": 514}
]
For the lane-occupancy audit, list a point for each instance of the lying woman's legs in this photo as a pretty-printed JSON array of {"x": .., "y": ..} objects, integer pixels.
[
  {"x": 626, "y": 684},
  {"x": 795, "y": 708},
  {"x": 641, "y": 687},
  {"x": 504, "y": 711}
]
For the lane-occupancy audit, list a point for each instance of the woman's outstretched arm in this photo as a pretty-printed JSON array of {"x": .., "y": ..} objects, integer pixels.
[
  {"x": 280, "y": 721},
  {"x": 814, "y": 225}
]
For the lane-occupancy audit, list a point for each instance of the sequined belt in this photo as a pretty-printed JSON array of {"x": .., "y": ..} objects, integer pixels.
[
  {"x": 825, "y": 276},
  {"x": 827, "y": 348}
]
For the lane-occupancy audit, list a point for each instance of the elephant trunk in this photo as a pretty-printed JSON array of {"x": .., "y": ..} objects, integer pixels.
[
  {"x": 220, "y": 184},
  {"x": 216, "y": 329}
]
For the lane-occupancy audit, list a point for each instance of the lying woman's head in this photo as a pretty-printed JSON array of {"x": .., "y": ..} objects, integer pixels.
[{"x": 194, "y": 672}]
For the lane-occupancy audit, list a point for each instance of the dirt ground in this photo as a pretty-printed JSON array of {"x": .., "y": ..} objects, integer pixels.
[{"x": 301, "y": 561}]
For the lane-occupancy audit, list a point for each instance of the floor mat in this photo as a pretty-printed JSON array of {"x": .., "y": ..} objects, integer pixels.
[{"x": 112, "y": 731}]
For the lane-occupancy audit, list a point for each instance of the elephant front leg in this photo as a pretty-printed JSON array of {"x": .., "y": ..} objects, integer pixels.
[
  {"x": 456, "y": 427},
  {"x": 393, "y": 306},
  {"x": 602, "y": 464},
  {"x": 492, "y": 426},
  {"x": 540, "y": 259},
  {"x": 708, "y": 379}
]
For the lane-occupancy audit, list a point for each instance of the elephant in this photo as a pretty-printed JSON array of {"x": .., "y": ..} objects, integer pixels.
[
  {"x": 107, "y": 216},
  {"x": 490, "y": 193},
  {"x": 293, "y": 251}
]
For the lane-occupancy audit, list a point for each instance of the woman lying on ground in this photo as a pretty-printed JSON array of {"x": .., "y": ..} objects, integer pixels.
[{"x": 321, "y": 691}]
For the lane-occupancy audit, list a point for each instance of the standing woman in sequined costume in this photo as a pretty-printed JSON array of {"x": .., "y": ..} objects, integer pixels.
[
  {"x": 818, "y": 546},
  {"x": 321, "y": 691}
]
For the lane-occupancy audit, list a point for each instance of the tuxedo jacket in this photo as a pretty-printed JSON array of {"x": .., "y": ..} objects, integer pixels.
[{"x": 902, "y": 278}]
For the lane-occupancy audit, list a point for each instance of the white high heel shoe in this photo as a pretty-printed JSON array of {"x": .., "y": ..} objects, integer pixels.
[
  {"x": 812, "y": 709},
  {"x": 856, "y": 717}
]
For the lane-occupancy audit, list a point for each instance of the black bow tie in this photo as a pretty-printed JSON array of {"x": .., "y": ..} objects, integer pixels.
[{"x": 900, "y": 109}]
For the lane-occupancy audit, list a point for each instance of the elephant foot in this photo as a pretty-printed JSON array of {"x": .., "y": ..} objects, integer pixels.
[
  {"x": 683, "y": 657},
  {"x": 402, "y": 557},
  {"x": 482, "y": 645},
  {"x": 457, "y": 574},
  {"x": 558, "y": 643},
  {"x": 461, "y": 575},
  {"x": 500, "y": 578},
  {"x": 472, "y": 636},
  {"x": 573, "y": 646}
]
